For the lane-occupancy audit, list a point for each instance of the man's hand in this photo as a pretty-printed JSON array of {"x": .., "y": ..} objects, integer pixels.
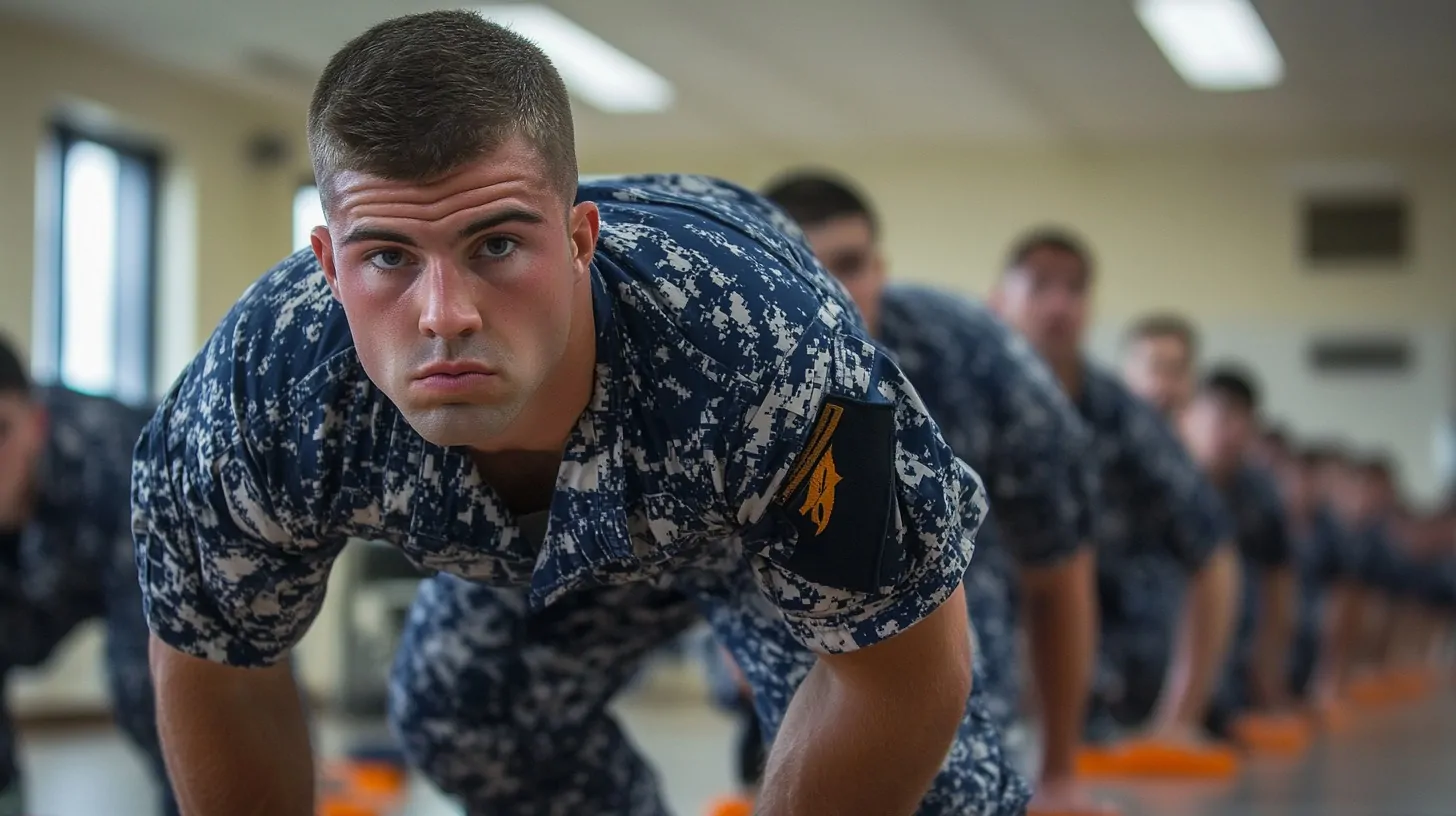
[
  {"x": 868, "y": 730},
  {"x": 1065, "y": 797},
  {"x": 235, "y": 740}
]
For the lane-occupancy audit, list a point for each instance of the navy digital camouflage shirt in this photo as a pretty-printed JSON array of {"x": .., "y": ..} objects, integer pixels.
[{"x": 741, "y": 420}]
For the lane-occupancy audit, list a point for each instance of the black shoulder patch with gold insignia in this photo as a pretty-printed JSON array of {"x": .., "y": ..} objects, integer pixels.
[{"x": 840, "y": 497}]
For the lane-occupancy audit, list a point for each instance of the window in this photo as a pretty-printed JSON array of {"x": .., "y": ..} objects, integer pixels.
[
  {"x": 98, "y": 316},
  {"x": 308, "y": 213}
]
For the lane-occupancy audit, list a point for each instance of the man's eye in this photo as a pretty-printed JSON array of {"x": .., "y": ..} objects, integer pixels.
[
  {"x": 497, "y": 247},
  {"x": 388, "y": 259}
]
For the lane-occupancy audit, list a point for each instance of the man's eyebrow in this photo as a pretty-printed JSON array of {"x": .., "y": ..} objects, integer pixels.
[
  {"x": 361, "y": 234},
  {"x": 512, "y": 215},
  {"x": 508, "y": 216}
]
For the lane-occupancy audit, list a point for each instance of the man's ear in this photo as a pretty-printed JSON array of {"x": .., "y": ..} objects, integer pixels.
[
  {"x": 585, "y": 227},
  {"x": 323, "y": 250}
]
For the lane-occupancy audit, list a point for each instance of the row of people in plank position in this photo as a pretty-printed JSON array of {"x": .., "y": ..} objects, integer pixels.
[
  {"x": 1336, "y": 578},
  {"x": 605, "y": 411}
]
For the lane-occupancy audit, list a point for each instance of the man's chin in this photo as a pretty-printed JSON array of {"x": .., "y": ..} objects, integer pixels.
[{"x": 461, "y": 424}]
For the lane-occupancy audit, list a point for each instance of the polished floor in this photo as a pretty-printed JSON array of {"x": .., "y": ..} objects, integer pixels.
[{"x": 1394, "y": 762}]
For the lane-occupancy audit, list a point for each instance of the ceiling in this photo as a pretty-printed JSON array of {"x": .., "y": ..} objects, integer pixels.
[{"x": 799, "y": 73}]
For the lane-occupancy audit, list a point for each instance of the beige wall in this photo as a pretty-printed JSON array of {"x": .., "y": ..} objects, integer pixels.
[{"x": 1211, "y": 234}]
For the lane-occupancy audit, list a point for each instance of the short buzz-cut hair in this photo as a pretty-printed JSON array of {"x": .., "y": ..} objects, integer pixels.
[
  {"x": 13, "y": 377},
  {"x": 1161, "y": 325},
  {"x": 414, "y": 98},
  {"x": 1058, "y": 239},
  {"x": 813, "y": 198},
  {"x": 1232, "y": 383}
]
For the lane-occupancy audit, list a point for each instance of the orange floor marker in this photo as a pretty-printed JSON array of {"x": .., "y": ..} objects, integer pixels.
[
  {"x": 366, "y": 788},
  {"x": 1164, "y": 759},
  {"x": 346, "y": 808},
  {"x": 374, "y": 778},
  {"x": 1090, "y": 811},
  {"x": 1154, "y": 758},
  {"x": 1272, "y": 734},
  {"x": 731, "y": 806},
  {"x": 1412, "y": 685},
  {"x": 1334, "y": 717},
  {"x": 1102, "y": 761},
  {"x": 1370, "y": 692}
]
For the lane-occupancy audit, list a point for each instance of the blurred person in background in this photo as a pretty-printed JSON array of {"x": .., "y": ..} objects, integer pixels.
[
  {"x": 1153, "y": 503},
  {"x": 1343, "y": 568},
  {"x": 1219, "y": 427},
  {"x": 1322, "y": 548},
  {"x": 66, "y": 552},
  {"x": 1271, "y": 449},
  {"x": 1217, "y": 417},
  {"x": 1003, "y": 413},
  {"x": 1397, "y": 572}
]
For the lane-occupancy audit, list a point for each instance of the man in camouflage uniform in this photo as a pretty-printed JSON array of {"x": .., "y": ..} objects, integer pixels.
[
  {"x": 1151, "y": 497},
  {"x": 599, "y": 411},
  {"x": 1217, "y": 417},
  {"x": 65, "y": 540},
  {"x": 1002, "y": 412}
]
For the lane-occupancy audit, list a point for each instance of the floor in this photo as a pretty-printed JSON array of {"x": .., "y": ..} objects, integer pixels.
[{"x": 1399, "y": 762}]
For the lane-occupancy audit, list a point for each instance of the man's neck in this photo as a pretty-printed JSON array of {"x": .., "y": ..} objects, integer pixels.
[
  {"x": 524, "y": 480},
  {"x": 1071, "y": 374}
]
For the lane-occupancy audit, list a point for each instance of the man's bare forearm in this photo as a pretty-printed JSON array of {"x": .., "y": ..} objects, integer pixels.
[
  {"x": 843, "y": 751},
  {"x": 1341, "y": 637},
  {"x": 1275, "y": 635},
  {"x": 1208, "y": 624},
  {"x": 1061, "y": 616},
  {"x": 235, "y": 740}
]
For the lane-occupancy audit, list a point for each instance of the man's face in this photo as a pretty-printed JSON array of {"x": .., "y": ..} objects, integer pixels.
[
  {"x": 1271, "y": 451},
  {"x": 1297, "y": 485},
  {"x": 1376, "y": 491},
  {"x": 22, "y": 438},
  {"x": 1218, "y": 432},
  {"x": 1046, "y": 300},
  {"x": 461, "y": 294},
  {"x": 846, "y": 247},
  {"x": 1160, "y": 370}
]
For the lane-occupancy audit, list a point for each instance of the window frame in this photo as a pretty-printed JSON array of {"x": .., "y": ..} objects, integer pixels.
[{"x": 141, "y": 168}]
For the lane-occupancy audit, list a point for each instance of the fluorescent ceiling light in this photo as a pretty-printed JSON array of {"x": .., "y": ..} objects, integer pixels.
[
  {"x": 602, "y": 76},
  {"x": 1216, "y": 45}
]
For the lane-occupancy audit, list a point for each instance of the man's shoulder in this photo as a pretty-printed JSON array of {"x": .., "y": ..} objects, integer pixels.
[
  {"x": 281, "y": 334},
  {"x": 920, "y": 312},
  {"x": 280, "y": 358},
  {"x": 1108, "y": 403},
  {"x": 694, "y": 262},
  {"x": 963, "y": 334},
  {"x": 1258, "y": 483}
]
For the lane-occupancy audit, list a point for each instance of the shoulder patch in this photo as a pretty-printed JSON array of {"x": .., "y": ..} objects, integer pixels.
[{"x": 840, "y": 495}]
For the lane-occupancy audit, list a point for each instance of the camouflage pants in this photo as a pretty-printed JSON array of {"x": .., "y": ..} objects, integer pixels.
[{"x": 506, "y": 707}]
